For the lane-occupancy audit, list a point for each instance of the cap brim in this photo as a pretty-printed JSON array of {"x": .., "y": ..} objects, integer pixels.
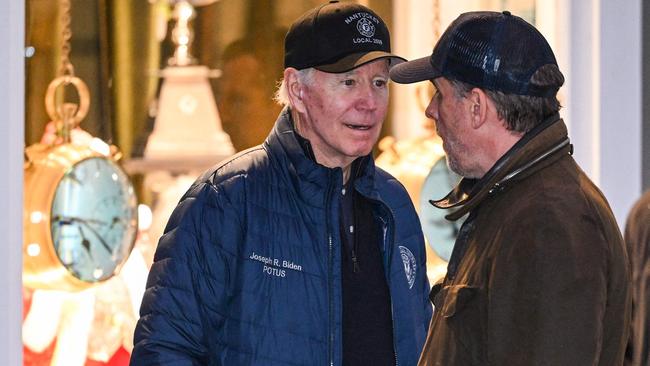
[
  {"x": 413, "y": 71},
  {"x": 355, "y": 60}
]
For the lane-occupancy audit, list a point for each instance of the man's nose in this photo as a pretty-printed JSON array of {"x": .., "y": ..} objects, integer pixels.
[
  {"x": 368, "y": 98},
  {"x": 432, "y": 110}
]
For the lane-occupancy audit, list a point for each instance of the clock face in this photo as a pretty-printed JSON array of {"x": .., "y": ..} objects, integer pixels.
[
  {"x": 440, "y": 232},
  {"x": 94, "y": 219}
]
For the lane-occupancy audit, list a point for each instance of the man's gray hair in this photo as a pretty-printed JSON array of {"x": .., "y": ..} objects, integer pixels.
[
  {"x": 522, "y": 112},
  {"x": 305, "y": 76}
]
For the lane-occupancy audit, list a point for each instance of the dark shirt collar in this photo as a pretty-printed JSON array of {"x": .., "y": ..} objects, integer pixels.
[
  {"x": 357, "y": 165},
  {"x": 305, "y": 145}
]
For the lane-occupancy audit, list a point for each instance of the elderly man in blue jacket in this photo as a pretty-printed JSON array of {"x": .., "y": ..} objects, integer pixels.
[{"x": 298, "y": 251}]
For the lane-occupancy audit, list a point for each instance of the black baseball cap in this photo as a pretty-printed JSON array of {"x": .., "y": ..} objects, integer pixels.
[
  {"x": 490, "y": 50},
  {"x": 337, "y": 37}
]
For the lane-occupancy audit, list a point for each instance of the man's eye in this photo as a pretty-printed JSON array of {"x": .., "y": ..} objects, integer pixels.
[
  {"x": 380, "y": 82},
  {"x": 348, "y": 82}
]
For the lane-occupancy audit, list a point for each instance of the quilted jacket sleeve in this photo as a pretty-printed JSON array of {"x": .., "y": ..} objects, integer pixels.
[{"x": 189, "y": 269}]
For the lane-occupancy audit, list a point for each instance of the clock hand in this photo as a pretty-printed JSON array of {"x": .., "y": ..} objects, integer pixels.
[
  {"x": 70, "y": 220},
  {"x": 84, "y": 241},
  {"x": 67, "y": 220},
  {"x": 116, "y": 220},
  {"x": 102, "y": 241}
]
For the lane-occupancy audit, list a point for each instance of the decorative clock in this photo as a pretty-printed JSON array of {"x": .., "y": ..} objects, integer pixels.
[
  {"x": 80, "y": 207},
  {"x": 440, "y": 232}
]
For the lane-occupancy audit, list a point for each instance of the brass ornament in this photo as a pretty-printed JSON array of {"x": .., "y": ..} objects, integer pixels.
[
  {"x": 69, "y": 115},
  {"x": 80, "y": 209}
]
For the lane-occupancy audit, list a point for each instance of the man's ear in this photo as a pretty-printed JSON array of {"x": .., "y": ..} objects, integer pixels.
[
  {"x": 478, "y": 107},
  {"x": 294, "y": 89}
]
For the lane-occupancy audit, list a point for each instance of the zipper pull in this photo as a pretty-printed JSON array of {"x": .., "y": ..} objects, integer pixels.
[{"x": 355, "y": 262}]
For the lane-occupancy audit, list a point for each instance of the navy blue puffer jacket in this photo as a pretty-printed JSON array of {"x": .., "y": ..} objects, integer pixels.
[{"x": 248, "y": 270}]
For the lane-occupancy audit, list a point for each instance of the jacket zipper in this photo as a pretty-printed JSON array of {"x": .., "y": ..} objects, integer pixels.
[
  {"x": 392, "y": 314},
  {"x": 389, "y": 254},
  {"x": 390, "y": 294},
  {"x": 331, "y": 309},
  {"x": 330, "y": 279}
]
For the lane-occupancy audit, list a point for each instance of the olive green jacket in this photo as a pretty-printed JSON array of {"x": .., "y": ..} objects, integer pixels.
[
  {"x": 539, "y": 273},
  {"x": 637, "y": 239}
]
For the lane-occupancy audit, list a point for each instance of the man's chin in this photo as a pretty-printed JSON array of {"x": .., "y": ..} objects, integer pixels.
[
  {"x": 465, "y": 173},
  {"x": 455, "y": 167},
  {"x": 366, "y": 152},
  {"x": 361, "y": 150}
]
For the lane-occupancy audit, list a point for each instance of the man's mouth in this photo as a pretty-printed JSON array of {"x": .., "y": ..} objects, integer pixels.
[{"x": 358, "y": 127}]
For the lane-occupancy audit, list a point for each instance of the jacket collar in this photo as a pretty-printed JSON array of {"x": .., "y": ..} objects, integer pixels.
[
  {"x": 310, "y": 178},
  {"x": 538, "y": 148}
]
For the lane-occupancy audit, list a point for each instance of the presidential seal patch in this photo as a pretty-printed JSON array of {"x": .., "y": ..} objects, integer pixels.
[{"x": 410, "y": 266}]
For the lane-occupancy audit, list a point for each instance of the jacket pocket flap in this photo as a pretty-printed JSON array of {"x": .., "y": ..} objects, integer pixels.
[{"x": 454, "y": 298}]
